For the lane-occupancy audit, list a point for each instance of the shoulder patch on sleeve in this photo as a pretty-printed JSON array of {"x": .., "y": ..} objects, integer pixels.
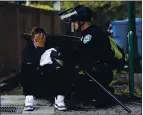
[{"x": 87, "y": 38}]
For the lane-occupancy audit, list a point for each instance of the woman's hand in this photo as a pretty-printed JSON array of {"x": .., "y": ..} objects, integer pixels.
[{"x": 39, "y": 40}]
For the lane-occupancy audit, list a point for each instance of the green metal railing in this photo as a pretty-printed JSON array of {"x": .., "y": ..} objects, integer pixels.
[
  {"x": 134, "y": 62},
  {"x": 131, "y": 64}
]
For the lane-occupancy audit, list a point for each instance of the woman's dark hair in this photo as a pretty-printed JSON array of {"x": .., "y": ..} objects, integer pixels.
[{"x": 37, "y": 30}]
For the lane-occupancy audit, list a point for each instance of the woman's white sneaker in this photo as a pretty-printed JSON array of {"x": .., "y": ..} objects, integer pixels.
[
  {"x": 59, "y": 103},
  {"x": 29, "y": 101}
]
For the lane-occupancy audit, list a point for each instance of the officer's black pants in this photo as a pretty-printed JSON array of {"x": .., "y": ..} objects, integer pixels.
[{"x": 87, "y": 88}]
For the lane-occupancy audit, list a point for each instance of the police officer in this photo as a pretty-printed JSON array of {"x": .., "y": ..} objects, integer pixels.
[{"x": 94, "y": 52}]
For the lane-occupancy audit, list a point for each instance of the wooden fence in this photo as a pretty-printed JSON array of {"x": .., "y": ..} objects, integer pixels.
[{"x": 14, "y": 21}]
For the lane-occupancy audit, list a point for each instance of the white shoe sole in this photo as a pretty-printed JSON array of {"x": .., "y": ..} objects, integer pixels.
[
  {"x": 28, "y": 109},
  {"x": 60, "y": 109}
]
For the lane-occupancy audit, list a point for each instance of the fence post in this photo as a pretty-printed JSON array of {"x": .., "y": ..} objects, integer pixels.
[
  {"x": 131, "y": 65},
  {"x": 132, "y": 27}
]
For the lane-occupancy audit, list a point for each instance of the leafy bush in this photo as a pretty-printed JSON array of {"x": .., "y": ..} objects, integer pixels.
[{"x": 40, "y": 6}]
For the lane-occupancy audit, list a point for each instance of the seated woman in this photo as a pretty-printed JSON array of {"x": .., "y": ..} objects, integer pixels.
[{"x": 40, "y": 81}]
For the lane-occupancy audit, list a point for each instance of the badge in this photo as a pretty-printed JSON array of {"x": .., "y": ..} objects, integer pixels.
[{"x": 87, "y": 38}]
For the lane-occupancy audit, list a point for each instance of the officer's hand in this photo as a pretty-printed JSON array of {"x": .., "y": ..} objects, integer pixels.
[{"x": 39, "y": 40}]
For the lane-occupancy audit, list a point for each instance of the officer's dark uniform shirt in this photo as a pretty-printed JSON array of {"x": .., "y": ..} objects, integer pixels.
[{"x": 94, "y": 47}]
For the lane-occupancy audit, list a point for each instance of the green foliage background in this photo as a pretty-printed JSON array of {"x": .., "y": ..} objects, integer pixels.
[{"x": 104, "y": 11}]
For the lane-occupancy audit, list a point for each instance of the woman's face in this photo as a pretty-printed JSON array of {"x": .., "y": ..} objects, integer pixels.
[{"x": 39, "y": 37}]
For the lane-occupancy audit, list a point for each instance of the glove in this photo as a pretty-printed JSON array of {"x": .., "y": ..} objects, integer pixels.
[{"x": 54, "y": 54}]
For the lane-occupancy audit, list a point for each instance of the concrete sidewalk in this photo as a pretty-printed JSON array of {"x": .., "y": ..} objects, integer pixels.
[{"x": 43, "y": 107}]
